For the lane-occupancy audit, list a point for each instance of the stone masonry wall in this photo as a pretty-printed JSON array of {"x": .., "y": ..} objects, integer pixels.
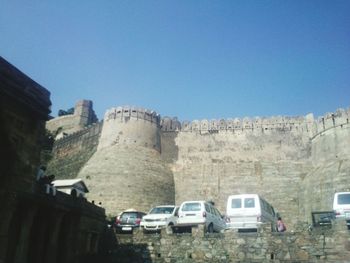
[
  {"x": 127, "y": 170},
  {"x": 128, "y": 176},
  {"x": 296, "y": 163},
  {"x": 71, "y": 153},
  {"x": 214, "y": 166},
  {"x": 320, "y": 245},
  {"x": 83, "y": 116},
  {"x": 128, "y": 125},
  {"x": 331, "y": 159}
]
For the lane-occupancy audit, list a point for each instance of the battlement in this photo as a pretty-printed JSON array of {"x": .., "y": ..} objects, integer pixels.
[
  {"x": 130, "y": 125},
  {"x": 83, "y": 116},
  {"x": 299, "y": 124},
  {"x": 126, "y": 113},
  {"x": 331, "y": 120},
  {"x": 91, "y": 130},
  {"x": 208, "y": 159},
  {"x": 258, "y": 124}
]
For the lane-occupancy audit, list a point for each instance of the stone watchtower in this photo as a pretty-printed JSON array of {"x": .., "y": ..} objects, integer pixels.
[
  {"x": 83, "y": 116},
  {"x": 126, "y": 171}
]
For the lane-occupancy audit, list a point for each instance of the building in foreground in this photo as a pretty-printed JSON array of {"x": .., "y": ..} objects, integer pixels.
[{"x": 34, "y": 226}]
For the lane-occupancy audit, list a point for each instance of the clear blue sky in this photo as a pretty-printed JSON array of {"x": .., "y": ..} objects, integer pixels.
[{"x": 193, "y": 59}]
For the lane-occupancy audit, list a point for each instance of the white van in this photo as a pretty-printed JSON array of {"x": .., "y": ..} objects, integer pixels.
[
  {"x": 201, "y": 212},
  {"x": 247, "y": 211},
  {"x": 341, "y": 206}
]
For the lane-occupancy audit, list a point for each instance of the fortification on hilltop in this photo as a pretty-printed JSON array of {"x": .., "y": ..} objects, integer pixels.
[
  {"x": 127, "y": 171},
  {"x": 82, "y": 116},
  {"x": 136, "y": 159}
]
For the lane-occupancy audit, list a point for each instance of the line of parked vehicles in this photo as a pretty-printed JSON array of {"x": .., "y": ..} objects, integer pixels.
[{"x": 243, "y": 212}]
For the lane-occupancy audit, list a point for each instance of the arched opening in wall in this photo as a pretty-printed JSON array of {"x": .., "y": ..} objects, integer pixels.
[
  {"x": 39, "y": 237},
  {"x": 13, "y": 234},
  {"x": 67, "y": 237}
]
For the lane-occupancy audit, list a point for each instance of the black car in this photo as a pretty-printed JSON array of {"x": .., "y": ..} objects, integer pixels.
[{"x": 128, "y": 220}]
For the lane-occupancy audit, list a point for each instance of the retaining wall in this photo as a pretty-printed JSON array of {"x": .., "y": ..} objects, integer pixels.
[
  {"x": 319, "y": 245},
  {"x": 72, "y": 152}
]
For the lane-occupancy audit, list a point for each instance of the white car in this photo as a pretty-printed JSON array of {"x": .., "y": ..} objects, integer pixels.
[
  {"x": 201, "y": 212},
  {"x": 341, "y": 206},
  {"x": 160, "y": 217}
]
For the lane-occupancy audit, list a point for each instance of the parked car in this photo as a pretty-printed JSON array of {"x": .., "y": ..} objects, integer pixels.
[
  {"x": 341, "y": 206},
  {"x": 128, "y": 220},
  {"x": 201, "y": 212},
  {"x": 159, "y": 217},
  {"x": 247, "y": 211}
]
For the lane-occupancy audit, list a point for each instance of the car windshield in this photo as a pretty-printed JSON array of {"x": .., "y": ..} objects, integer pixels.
[
  {"x": 344, "y": 199},
  {"x": 162, "y": 210},
  {"x": 129, "y": 215},
  {"x": 191, "y": 207}
]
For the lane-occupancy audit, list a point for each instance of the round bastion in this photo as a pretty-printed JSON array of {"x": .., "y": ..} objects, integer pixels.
[
  {"x": 130, "y": 126},
  {"x": 126, "y": 171}
]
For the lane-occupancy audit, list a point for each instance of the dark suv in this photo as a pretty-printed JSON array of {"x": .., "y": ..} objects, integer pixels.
[{"x": 128, "y": 220}]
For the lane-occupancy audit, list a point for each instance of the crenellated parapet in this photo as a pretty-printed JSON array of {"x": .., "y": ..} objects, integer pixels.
[
  {"x": 92, "y": 130},
  {"x": 130, "y": 126},
  {"x": 170, "y": 124},
  {"x": 257, "y": 124},
  {"x": 331, "y": 120},
  {"x": 330, "y": 138},
  {"x": 83, "y": 116},
  {"x": 299, "y": 124},
  {"x": 125, "y": 113}
]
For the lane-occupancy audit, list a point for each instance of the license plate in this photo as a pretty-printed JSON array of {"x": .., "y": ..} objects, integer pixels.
[{"x": 126, "y": 228}]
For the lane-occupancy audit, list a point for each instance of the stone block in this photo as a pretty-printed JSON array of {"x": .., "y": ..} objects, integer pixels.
[{"x": 198, "y": 231}]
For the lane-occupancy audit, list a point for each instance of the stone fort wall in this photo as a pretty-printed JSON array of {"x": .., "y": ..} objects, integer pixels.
[
  {"x": 319, "y": 245},
  {"x": 127, "y": 170},
  {"x": 72, "y": 152},
  {"x": 83, "y": 116},
  {"x": 278, "y": 157},
  {"x": 129, "y": 125}
]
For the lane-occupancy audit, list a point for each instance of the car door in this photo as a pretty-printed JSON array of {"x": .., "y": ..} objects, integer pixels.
[
  {"x": 209, "y": 217},
  {"x": 174, "y": 216},
  {"x": 221, "y": 224}
]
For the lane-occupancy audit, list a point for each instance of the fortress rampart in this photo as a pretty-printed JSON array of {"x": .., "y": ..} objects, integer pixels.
[
  {"x": 288, "y": 160},
  {"x": 300, "y": 124},
  {"x": 83, "y": 116},
  {"x": 129, "y": 125},
  {"x": 72, "y": 152},
  {"x": 319, "y": 245}
]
